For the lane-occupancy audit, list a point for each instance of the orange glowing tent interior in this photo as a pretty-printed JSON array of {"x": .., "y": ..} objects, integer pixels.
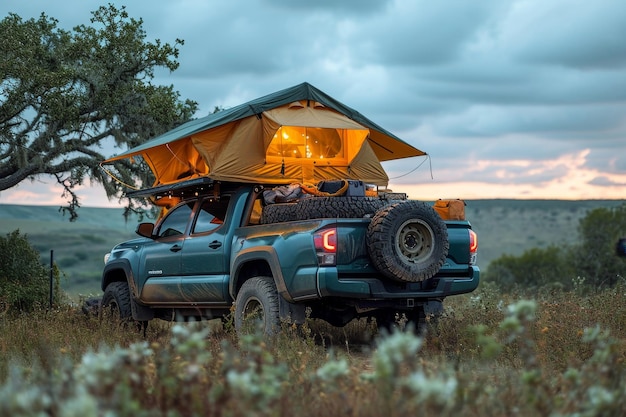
[{"x": 296, "y": 135}]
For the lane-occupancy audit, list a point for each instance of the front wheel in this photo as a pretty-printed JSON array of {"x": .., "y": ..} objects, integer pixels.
[
  {"x": 256, "y": 306},
  {"x": 116, "y": 306},
  {"x": 116, "y": 302}
]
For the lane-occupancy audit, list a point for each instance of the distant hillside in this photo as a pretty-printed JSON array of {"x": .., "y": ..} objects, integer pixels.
[
  {"x": 514, "y": 226},
  {"x": 78, "y": 247},
  {"x": 503, "y": 227}
]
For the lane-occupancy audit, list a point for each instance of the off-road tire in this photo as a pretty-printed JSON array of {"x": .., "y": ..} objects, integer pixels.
[
  {"x": 322, "y": 207},
  {"x": 116, "y": 302},
  {"x": 256, "y": 307},
  {"x": 407, "y": 241},
  {"x": 278, "y": 213}
]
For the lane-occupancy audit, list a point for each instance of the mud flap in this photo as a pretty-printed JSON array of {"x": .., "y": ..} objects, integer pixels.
[{"x": 141, "y": 313}]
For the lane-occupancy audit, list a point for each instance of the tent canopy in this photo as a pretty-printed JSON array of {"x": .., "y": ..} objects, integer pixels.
[{"x": 299, "y": 134}]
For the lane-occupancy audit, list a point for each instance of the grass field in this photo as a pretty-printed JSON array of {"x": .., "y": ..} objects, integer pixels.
[
  {"x": 496, "y": 354},
  {"x": 491, "y": 354}
]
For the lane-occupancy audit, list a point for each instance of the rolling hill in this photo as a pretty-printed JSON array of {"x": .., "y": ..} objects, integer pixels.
[{"x": 77, "y": 247}]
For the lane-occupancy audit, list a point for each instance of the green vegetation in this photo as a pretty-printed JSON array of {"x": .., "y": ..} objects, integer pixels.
[
  {"x": 493, "y": 352},
  {"x": 533, "y": 269},
  {"x": 67, "y": 93},
  {"x": 595, "y": 254},
  {"x": 490, "y": 354},
  {"x": 590, "y": 259},
  {"x": 24, "y": 282},
  {"x": 78, "y": 247},
  {"x": 511, "y": 227}
]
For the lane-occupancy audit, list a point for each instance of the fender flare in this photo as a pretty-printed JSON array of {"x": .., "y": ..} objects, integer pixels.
[
  {"x": 258, "y": 253},
  {"x": 124, "y": 265}
]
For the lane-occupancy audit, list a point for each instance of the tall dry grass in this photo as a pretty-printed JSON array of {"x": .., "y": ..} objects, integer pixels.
[{"x": 560, "y": 353}]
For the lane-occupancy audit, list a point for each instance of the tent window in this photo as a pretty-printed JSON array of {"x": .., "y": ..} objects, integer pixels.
[{"x": 306, "y": 143}]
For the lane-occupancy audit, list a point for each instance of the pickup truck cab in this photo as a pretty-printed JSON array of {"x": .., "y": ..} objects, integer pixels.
[{"x": 223, "y": 248}]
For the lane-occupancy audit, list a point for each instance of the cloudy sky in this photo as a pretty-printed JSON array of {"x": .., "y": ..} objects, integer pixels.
[{"x": 510, "y": 98}]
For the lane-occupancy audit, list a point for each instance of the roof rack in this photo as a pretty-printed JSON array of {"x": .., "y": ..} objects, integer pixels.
[{"x": 183, "y": 189}]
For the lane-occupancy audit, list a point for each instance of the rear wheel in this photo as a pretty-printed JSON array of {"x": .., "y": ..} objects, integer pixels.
[{"x": 256, "y": 306}]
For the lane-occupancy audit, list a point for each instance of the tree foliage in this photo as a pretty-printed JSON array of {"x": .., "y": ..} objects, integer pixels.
[
  {"x": 589, "y": 258},
  {"x": 533, "y": 269},
  {"x": 65, "y": 95},
  {"x": 24, "y": 281},
  {"x": 594, "y": 257}
]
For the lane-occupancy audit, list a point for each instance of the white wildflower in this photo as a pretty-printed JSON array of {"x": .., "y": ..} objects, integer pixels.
[
  {"x": 437, "y": 390},
  {"x": 333, "y": 370}
]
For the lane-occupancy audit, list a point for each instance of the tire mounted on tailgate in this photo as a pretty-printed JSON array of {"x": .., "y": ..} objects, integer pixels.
[{"x": 408, "y": 241}]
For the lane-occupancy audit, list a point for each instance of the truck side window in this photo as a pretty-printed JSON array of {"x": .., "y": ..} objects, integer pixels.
[
  {"x": 211, "y": 215},
  {"x": 176, "y": 221}
]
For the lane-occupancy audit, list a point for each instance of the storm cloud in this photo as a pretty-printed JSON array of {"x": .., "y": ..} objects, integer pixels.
[{"x": 497, "y": 92}]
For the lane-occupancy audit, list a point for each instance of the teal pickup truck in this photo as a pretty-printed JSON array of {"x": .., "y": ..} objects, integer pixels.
[{"x": 225, "y": 248}]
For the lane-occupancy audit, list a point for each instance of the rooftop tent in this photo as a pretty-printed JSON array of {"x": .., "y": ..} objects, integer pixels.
[{"x": 299, "y": 134}]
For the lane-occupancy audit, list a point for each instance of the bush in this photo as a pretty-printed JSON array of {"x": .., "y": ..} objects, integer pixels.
[
  {"x": 24, "y": 281},
  {"x": 534, "y": 269},
  {"x": 590, "y": 258},
  {"x": 595, "y": 258}
]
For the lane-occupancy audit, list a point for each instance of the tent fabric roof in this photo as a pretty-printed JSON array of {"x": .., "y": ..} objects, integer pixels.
[{"x": 379, "y": 139}]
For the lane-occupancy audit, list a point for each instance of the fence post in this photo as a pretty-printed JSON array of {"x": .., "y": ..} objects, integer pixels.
[{"x": 51, "y": 277}]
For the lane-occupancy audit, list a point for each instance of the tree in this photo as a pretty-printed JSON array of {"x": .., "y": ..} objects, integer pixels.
[
  {"x": 591, "y": 256},
  {"x": 64, "y": 95},
  {"x": 595, "y": 258},
  {"x": 532, "y": 270},
  {"x": 24, "y": 281}
]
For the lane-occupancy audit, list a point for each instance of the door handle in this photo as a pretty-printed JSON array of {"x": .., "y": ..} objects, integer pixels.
[
  {"x": 215, "y": 244},
  {"x": 176, "y": 248}
]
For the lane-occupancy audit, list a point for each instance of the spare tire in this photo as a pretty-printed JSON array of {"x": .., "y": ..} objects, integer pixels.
[
  {"x": 277, "y": 213},
  {"x": 322, "y": 207},
  {"x": 408, "y": 241}
]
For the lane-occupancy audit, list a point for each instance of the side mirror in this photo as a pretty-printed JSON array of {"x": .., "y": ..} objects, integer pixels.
[
  {"x": 145, "y": 229},
  {"x": 620, "y": 248}
]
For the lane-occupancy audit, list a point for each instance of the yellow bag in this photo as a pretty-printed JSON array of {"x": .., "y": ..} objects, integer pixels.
[
  {"x": 450, "y": 209},
  {"x": 327, "y": 188}
]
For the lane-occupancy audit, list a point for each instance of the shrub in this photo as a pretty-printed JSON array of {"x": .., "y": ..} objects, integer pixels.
[
  {"x": 24, "y": 281},
  {"x": 595, "y": 255},
  {"x": 590, "y": 258},
  {"x": 534, "y": 269}
]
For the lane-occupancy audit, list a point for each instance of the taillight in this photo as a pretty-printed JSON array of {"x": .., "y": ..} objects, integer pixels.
[
  {"x": 473, "y": 246},
  {"x": 473, "y": 241},
  {"x": 325, "y": 242}
]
